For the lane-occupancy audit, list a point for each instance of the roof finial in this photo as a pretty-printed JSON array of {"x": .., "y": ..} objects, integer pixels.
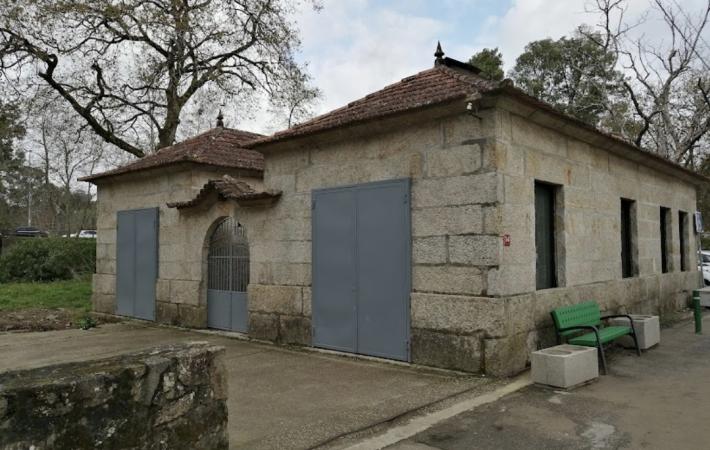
[
  {"x": 220, "y": 119},
  {"x": 439, "y": 54}
]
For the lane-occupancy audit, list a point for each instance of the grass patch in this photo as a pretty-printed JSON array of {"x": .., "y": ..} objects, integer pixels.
[{"x": 68, "y": 294}]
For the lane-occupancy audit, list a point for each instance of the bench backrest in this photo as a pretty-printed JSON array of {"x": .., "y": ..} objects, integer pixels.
[{"x": 586, "y": 313}]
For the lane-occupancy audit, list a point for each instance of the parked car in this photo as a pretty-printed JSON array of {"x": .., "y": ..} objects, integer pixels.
[
  {"x": 705, "y": 266},
  {"x": 30, "y": 232},
  {"x": 87, "y": 234}
]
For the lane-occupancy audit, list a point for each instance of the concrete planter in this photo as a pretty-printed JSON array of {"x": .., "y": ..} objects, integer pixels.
[
  {"x": 564, "y": 366},
  {"x": 648, "y": 331}
]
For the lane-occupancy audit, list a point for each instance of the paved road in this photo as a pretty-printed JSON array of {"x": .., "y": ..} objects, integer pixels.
[
  {"x": 278, "y": 398},
  {"x": 658, "y": 401}
]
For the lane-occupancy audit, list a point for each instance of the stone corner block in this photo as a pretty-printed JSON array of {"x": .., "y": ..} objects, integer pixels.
[
  {"x": 476, "y": 250},
  {"x": 453, "y": 161},
  {"x": 102, "y": 283},
  {"x": 446, "y": 350},
  {"x": 458, "y": 314},
  {"x": 564, "y": 366},
  {"x": 103, "y": 303},
  {"x": 505, "y": 357},
  {"x": 447, "y": 279}
]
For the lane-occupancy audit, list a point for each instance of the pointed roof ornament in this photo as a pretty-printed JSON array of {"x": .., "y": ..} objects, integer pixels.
[
  {"x": 220, "y": 119},
  {"x": 439, "y": 54}
]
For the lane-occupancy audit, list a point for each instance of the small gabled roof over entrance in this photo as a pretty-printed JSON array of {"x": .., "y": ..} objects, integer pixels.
[
  {"x": 228, "y": 188},
  {"x": 219, "y": 146}
]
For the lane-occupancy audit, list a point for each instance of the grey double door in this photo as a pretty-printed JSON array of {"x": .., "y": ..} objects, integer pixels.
[
  {"x": 136, "y": 262},
  {"x": 362, "y": 269},
  {"x": 228, "y": 277}
]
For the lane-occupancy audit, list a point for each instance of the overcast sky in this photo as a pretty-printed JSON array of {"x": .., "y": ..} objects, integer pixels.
[{"x": 354, "y": 47}]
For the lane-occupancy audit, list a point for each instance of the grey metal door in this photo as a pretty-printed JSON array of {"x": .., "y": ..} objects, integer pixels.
[
  {"x": 228, "y": 277},
  {"x": 136, "y": 262},
  {"x": 362, "y": 269}
]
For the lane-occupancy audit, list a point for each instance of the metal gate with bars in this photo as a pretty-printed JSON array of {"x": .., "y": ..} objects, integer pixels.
[{"x": 228, "y": 277}]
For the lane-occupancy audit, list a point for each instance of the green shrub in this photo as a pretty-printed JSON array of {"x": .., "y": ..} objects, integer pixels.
[{"x": 48, "y": 259}]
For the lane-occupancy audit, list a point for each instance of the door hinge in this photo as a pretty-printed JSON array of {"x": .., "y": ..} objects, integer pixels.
[
  {"x": 313, "y": 204},
  {"x": 406, "y": 199}
]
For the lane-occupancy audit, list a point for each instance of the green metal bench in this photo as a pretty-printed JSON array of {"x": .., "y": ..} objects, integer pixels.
[{"x": 571, "y": 321}]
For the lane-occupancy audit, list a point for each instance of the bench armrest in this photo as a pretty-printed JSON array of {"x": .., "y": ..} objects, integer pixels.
[{"x": 615, "y": 316}]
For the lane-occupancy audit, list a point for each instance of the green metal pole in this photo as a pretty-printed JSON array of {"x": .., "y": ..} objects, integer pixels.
[{"x": 697, "y": 312}]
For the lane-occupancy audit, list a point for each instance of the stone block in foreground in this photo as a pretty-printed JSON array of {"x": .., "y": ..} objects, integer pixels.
[
  {"x": 172, "y": 397},
  {"x": 564, "y": 366}
]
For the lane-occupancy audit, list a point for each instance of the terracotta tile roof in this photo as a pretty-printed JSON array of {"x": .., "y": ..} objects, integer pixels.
[
  {"x": 446, "y": 81},
  {"x": 219, "y": 146},
  {"x": 228, "y": 188}
]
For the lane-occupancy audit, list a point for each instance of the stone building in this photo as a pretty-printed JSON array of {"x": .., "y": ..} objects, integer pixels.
[{"x": 437, "y": 221}]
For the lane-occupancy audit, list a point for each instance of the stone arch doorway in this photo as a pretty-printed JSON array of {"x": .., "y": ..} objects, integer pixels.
[{"x": 228, "y": 277}]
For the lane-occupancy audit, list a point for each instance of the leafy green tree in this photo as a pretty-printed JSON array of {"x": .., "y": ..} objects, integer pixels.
[
  {"x": 490, "y": 61},
  {"x": 573, "y": 74}
]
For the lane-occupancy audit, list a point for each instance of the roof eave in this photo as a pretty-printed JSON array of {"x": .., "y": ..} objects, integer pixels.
[
  {"x": 108, "y": 176},
  {"x": 538, "y": 110},
  {"x": 263, "y": 145}
]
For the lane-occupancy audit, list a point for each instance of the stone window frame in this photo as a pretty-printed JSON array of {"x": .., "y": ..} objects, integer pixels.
[
  {"x": 665, "y": 220},
  {"x": 633, "y": 234},
  {"x": 684, "y": 240},
  {"x": 559, "y": 238}
]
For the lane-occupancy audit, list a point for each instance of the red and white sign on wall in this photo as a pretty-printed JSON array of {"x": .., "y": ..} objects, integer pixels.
[{"x": 506, "y": 240}]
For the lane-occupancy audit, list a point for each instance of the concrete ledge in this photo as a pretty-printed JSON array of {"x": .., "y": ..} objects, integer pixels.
[{"x": 170, "y": 397}]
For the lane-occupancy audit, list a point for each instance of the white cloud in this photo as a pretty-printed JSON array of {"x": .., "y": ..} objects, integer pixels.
[
  {"x": 355, "y": 47},
  {"x": 529, "y": 20},
  {"x": 360, "y": 48}
]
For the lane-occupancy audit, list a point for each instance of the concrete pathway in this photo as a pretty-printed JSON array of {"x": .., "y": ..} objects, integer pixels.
[
  {"x": 278, "y": 398},
  {"x": 658, "y": 401}
]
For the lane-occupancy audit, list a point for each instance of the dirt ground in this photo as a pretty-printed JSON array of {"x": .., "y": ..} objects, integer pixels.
[{"x": 43, "y": 319}]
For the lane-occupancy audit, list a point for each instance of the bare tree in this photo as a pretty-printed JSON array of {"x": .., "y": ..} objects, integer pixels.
[
  {"x": 63, "y": 151},
  {"x": 667, "y": 82},
  {"x": 129, "y": 68},
  {"x": 291, "y": 105}
]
